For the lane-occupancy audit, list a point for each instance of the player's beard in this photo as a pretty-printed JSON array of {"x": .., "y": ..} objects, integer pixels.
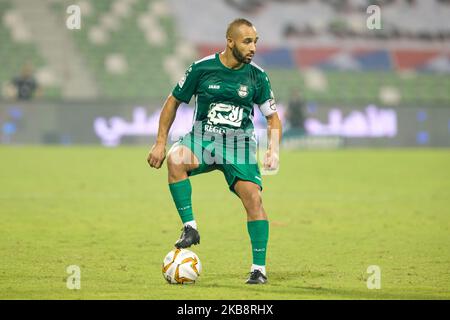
[{"x": 239, "y": 56}]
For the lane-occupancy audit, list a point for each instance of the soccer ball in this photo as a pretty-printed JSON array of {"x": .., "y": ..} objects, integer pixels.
[{"x": 181, "y": 266}]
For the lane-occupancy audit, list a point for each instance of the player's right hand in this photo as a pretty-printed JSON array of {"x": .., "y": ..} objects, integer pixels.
[
  {"x": 157, "y": 155},
  {"x": 271, "y": 160}
]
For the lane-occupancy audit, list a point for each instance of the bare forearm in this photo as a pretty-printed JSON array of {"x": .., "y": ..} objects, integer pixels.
[
  {"x": 274, "y": 132},
  {"x": 166, "y": 119}
]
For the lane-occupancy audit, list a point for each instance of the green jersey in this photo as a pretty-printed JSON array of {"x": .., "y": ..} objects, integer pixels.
[{"x": 224, "y": 97}]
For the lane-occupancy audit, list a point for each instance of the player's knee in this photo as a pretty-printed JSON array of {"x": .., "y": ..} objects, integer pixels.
[
  {"x": 254, "y": 202},
  {"x": 173, "y": 164}
]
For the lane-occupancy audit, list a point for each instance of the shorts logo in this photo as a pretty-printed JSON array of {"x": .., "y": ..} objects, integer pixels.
[
  {"x": 225, "y": 114},
  {"x": 243, "y": 91}
]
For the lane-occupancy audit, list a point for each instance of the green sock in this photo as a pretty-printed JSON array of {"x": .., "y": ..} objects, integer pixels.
[
  {"x": 181, "y": 193},
  {"x": 259, "y": 234}
]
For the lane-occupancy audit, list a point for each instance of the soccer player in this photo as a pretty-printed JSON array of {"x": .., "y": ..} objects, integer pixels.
[{"x": 226, "y": 86}]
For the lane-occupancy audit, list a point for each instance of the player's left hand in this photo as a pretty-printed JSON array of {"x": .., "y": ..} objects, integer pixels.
[{"x": 271, "y": 160}]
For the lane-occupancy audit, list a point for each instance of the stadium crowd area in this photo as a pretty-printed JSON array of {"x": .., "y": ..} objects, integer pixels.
[{"x": 138, "y": 49}]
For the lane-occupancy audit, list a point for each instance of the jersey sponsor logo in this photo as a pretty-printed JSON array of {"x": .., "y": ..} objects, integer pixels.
[
  {"x": 213, "y": 129},
  {"x": 243, "y": 91},
  {"x": 225, "y": 114},
  {"x": 214, "y": 86}
]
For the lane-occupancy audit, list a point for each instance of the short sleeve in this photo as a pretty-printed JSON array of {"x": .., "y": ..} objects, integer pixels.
[
  {"x": 264, "y": 89},
  {"x": 264, "y": 96},
  {"x": 187, "y": 86}
]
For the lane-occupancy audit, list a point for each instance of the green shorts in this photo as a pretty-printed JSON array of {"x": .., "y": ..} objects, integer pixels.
[{"x": 234, "y": 156}]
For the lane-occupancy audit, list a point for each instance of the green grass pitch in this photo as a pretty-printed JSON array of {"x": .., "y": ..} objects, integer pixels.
[{"x": 332, "y": 214}]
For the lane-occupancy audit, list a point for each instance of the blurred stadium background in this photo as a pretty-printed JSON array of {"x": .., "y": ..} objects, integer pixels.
[
  {"x": 104, "y": 84},
  {"x": 337, "y": 84}
]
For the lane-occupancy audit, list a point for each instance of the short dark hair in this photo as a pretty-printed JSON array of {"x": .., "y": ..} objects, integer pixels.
[{"x": 237, "y": 23}]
